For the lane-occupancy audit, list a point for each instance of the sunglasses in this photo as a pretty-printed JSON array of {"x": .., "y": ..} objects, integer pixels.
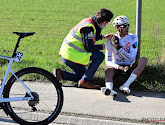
[{"x": 125, "y": 26}]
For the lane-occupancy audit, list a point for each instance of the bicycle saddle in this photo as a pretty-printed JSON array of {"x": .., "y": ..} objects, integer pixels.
[{"x": 22, "y": 35}]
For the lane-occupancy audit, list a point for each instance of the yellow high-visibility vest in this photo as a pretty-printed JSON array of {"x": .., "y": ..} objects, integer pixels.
[{"x": 73, "y": 48}]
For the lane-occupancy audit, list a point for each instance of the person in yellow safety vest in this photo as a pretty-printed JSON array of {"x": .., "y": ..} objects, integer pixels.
[{"x": 78, "y": 49}]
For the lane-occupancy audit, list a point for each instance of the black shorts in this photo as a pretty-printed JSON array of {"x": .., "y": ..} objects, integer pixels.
[{"x": 129, "y": 71}]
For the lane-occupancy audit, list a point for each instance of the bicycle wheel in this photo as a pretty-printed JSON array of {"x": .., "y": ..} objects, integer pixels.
[{"x": 46, "y": 89}]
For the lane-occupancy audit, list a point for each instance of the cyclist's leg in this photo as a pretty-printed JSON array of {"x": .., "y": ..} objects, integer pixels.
[
  {"x": 110, "y": 73},
  {"x": 139, "y": 65},
  {"x": 137, "y": 68}
]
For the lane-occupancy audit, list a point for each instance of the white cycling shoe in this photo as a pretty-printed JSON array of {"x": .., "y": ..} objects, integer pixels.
[
  {"x": 125, "y": 89},
  {"x": 107, "y": 91}
]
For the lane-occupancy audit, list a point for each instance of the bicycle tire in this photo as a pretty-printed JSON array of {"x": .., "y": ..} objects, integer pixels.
[{"x": 46, "y": 86}]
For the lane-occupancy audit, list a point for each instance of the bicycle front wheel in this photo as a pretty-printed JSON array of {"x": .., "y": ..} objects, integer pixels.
[{"x": 47, "y": 92}]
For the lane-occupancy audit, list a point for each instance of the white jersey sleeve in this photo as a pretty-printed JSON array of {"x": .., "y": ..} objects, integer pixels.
[{"x": 108, "y": 56}]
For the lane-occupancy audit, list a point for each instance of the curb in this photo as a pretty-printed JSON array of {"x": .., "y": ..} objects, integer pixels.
[{"x": 73, "y": 120}]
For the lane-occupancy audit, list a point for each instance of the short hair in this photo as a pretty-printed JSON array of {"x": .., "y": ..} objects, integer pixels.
[{"x": 103, "y": 15}]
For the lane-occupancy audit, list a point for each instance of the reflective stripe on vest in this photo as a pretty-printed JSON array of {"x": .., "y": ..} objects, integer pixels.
[
  {"x": 75, "y": 47},
  {"x": 75, "y": 36}
]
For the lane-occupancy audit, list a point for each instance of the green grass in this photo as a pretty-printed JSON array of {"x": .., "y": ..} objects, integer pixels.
[{"x": 53, "y": 19}]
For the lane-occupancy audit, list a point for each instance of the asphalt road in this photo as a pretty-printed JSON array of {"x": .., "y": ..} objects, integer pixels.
[{"x": 91, "y": 107}]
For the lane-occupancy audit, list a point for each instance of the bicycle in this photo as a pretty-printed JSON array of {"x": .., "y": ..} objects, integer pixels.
[{"x": 32, "y": 96}]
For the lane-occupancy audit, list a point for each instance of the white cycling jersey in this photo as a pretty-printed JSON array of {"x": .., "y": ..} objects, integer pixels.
[{"x": 125, "y": 55}]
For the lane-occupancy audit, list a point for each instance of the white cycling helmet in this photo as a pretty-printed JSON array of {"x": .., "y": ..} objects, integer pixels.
[{"x": 120, "y": 20}]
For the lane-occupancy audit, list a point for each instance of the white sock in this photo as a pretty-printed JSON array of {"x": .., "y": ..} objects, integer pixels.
[
  {"x": 109, "y": 85},
  {"x": 130, "y": 80}
]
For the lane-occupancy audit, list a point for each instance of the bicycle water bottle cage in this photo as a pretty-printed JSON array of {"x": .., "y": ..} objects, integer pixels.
[{"x": 22, "y": 35}]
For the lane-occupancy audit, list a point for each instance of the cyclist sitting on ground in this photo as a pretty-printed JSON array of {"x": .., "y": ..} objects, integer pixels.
[{"x": 121, "y": 50}]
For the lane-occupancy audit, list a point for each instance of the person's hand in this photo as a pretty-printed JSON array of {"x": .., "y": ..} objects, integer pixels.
[
  {"x": 103, "y": 45},
  {"x": 108, "y": 36},
  {"x": 115, "y": 42},
  {"x": 126, "y": 68},
  {"x": 123, "y": 68}
]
